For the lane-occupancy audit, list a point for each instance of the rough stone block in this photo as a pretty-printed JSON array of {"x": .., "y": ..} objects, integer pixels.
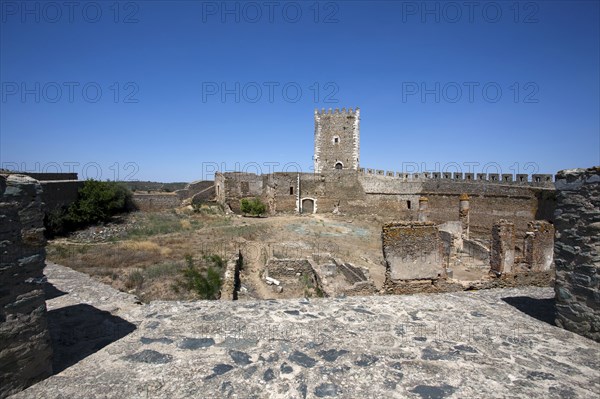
[
  {"x": 412, "y": 251},
  {"x": 538, "y": 247},
  {"x": 507, "y": 178},
  {"x": 502, "y": 254},
  {"x": 576, "y": 254},
  {"x": 23, "y": 325}
]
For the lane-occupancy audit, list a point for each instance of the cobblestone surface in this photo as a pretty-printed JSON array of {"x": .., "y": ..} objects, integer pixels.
[{"x": 496, "y": 343}]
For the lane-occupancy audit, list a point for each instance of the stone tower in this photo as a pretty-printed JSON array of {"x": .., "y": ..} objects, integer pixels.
[{"x": 336, "y": 140}]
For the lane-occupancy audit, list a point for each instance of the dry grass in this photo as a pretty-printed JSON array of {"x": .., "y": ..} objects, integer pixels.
[
  {"x": 150, "y": 259},
  {"x": 148, "y": 246}
]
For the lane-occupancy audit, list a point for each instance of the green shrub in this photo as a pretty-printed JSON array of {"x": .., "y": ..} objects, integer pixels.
[
  {"x": 98, "y": 201},
  {"x": 206, "y": 285},
  {"x": 252, "y": 206},
  {"x": 216, "y": 260},
  {"x": 135, "y": 279}
]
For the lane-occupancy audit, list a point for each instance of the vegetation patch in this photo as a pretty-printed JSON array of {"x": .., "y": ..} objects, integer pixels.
[
  {"x": 205, "y": 284},
  {"x": 253, "y": 206},
  {"x": 98, "y": 202},
  {"x": 151, "y": 224}
]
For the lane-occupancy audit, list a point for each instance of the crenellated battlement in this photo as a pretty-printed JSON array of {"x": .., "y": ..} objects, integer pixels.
[
  {"x": 337, "y": 111},
  {"x": 505, "y": 178}
]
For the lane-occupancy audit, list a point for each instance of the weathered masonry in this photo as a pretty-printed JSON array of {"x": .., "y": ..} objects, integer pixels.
[
  {"x": 25, "y": 350},
  {"x": 412, "y": 251},
  {"x": 340, "y": 185},
  {"x": 337, "y": 138},
  {"x": 576, "y": 251}
]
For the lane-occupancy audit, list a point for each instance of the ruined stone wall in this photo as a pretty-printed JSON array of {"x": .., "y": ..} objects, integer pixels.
[
  {"x": 231, "y": 187},
  {"x": 221, "y": 188},
  {"x": 25, "y": 351},
  {"x": 576, "y": 251},
  {"x": 59, "y": 194},
  {"x": 488, "y": 202},
  {"x": 412, "y": 251},
  {"x": 502, "y": 252},
  {"x": 197, "y": 187},
  {"x": 284, "y": 191},
  {"x": 156, "y": 202},
  {"x": 477, "y": 251},
  {"x": 538, "y": 246},
  {"x": 452, "y": 242},
  {"x": 336, "y": 139},
  {"x": 231, "y": 278}
]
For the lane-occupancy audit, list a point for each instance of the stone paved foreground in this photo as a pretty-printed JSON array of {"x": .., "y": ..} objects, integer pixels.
[{"x": 456, "y": 345}]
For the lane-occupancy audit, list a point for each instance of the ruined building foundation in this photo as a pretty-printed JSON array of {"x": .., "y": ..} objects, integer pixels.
[{"x": 413, "y": 251}]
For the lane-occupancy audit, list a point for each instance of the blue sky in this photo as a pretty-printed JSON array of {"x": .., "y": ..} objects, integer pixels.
[{"x": 168, "y": 90}]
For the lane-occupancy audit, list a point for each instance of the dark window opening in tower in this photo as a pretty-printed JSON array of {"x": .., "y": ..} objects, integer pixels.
[
  {"x": 338, "y": 165},
  {"x": 336, "y": 140},
  {"x": 408, "y": 204},
  {"x": 291, "y": 190}
]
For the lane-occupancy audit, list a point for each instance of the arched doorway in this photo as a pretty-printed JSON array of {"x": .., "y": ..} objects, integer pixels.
[
  {"x": 308, "y": 205},
  {"x": 339, "y": 165}
]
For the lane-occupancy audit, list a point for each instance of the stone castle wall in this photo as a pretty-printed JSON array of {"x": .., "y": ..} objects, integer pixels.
[
  {"x": 25, "y": 350},
  {"x": 349, "y": 192},
  {"x": 49, "y": 176},
  {"x": 576, "y": 251}
]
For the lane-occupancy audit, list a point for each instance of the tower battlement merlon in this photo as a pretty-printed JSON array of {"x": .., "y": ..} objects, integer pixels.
[{"x": 337, "y": 111}]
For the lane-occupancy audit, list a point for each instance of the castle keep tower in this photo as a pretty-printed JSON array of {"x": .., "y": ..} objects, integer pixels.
[{"x": 336, "y": 139}]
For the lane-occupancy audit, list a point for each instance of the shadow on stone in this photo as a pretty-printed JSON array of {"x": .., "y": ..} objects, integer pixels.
[
  {"x": 541, "y": 309},
  {"x": 51, "y": 292},
  {"x": 80, "y": 330}
]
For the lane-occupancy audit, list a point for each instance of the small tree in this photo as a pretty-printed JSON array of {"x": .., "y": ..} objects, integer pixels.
[{"x": 252, "y": 206}]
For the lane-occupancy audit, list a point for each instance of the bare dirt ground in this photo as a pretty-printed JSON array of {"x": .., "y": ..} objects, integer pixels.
[{"x": 145, "y": 253}]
